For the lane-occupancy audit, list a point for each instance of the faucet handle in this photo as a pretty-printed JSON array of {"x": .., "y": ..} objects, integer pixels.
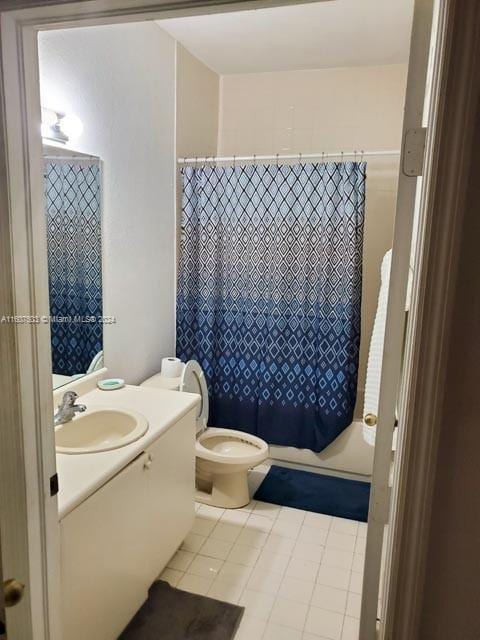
[{"x": 69, "y": 398}]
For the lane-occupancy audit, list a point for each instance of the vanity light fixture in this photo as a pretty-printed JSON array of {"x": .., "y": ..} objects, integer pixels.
[{"x": 60, "y": 127}]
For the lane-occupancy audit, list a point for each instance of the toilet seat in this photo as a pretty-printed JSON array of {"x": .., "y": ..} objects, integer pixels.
[
  {"x": 193, "y": 380},
  {"x": 228, "y": 446}
]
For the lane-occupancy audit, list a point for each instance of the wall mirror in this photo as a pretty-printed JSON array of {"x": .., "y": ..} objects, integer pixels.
[{"x": 73, "y": 209}]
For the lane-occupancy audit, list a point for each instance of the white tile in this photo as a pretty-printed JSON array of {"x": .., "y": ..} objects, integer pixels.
[
  {"x": 362, "y": 529},
  {"x": 205, "y": 567},
  {"x": 216, "y": 548},
  {"x": 274, "y": 562},
  {"x": 354, "y": 604},
  {"x": 244, "y": 554},
  {"x": 207, "y": 511},
  {"x": 181, "y": 560},
  {"x": 203, "y": 526},
  {"x": 333, "y": 577},
  {"x": 292, "y": 515},
  {"x": 172, "y": 576},
  {"x": 226, "y": 532},
  {"x": 267, "y": 510},
  {"x": 195, "y": 584},
  {"x": 358, "y": 564},
  {"x": 197, "y": 506},
  {"x": 302, "y": 569},
  {"x": 279, "y": 632},
  {"x": 193, "y": 542},
  {"x": 296, "y": 590},
  {"x": 286, "y": 528},
  {"x": 341, "y": 541},
  {"x": 225, "y": 591},
  {"x": 337, "y": 558},
  {"x": 329, "y": 598},
  {"x": 289, "y": 613},
  {"x": 343, "y": 525},
  {"x": 250, "y": 628},
  {"x": 259, "y": 523},
  {"x": 264, "y": 581},
  {"x": 252, "y": 538},
  {"x": 312, "y": 535},
  {"x": 234, "y": 573},
  {"x": 308, "y": 551},
  {"x": 279, "y": 544},
  {"x": 257, "y": 604},
  {"x": 327, "y": 624},
  {"x": 234, "y": 516},
  {"x": 356, "y": 582},
  {"x": 312, "y": 636},
  {"x": 248, "y": 507},
  {"x": 351, "y": 628},
  {"x": 318, "y": 520},
  {"x": 360, "y": 545}
]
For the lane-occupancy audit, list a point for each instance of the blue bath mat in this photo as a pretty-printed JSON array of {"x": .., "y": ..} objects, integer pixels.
[{"x": 315, "y": 492}]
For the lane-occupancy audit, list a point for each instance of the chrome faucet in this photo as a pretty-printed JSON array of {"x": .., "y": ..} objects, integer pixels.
[{"x": 67, "y": 409}]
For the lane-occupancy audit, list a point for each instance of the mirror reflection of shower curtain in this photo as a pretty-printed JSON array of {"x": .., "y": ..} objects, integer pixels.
[
  {"x": 269, "y": 295},
  {"x": 72, "y": 196}
]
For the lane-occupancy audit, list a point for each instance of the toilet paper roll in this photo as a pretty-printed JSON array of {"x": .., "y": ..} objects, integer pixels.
[{"x": 171, "y": 367}]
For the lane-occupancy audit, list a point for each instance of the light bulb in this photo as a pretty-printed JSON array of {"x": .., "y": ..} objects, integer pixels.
[{"x": 71, "y": 126}]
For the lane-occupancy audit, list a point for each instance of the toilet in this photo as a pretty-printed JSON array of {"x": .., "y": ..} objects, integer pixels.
[{"x": 223, "y": 456}]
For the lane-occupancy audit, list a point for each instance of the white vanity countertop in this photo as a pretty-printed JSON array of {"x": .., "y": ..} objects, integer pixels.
[{"x": 80, "y": 475}]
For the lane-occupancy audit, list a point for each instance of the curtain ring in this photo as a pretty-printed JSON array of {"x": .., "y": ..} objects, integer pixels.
[
  {"x": 196, "y": 162},
  {"x": 354, "y": 155},
  {"x": 341, "y": 155},
  {"x": 323, "y": 157},
  {"x": 300, "y": 158},
  {"x": 361, "y": 156},
  {"x": 254, "y": 159},
  {"x": 277, "y": 159},
  {"x": 234, "y": 160}
]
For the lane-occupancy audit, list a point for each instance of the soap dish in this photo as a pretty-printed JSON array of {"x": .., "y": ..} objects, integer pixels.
[{"x": 109, "y": 384}]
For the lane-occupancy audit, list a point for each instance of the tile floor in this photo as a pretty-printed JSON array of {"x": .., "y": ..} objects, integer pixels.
[{"x": 298, "y": 574}]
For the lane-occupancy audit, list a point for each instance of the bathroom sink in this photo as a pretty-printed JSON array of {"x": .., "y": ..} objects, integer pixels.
[{"x": 100, "y": 429}]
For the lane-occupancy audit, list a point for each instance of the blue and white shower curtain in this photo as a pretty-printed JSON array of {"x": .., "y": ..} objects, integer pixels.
[
  {"x": 269, "y": 295},
  {"x": 72, "y": 195}
]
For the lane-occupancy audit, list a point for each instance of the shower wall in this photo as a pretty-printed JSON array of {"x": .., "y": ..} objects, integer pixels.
[{"x": 326, "y": 110}]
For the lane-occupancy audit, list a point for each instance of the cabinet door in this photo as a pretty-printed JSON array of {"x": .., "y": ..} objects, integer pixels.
[
  {"x": 105, "y": 557},
  {"x": 171, "y": 478}
]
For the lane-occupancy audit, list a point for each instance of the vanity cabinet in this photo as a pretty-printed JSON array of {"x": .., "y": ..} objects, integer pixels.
[
  {"x": 117, "y": 542},
  {"x": 171, "y": 483}
]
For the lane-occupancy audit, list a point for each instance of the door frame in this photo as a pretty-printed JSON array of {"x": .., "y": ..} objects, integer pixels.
[{"x": 27, "y": 454}]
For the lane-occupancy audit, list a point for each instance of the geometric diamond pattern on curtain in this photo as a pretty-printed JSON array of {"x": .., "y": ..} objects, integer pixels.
[
  {"x": 269, "y": 295},
  {"x": 72, "y": 196}
]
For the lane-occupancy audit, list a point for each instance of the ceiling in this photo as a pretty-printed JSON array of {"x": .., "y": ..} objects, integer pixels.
[{"x": 338, "y": 33}]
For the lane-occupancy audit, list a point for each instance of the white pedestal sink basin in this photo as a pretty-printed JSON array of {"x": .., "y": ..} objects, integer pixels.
[{"x": 100, "y": 429}]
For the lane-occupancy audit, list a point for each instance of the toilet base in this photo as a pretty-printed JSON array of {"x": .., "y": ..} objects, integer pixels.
[{"x": 229, "y": 491}]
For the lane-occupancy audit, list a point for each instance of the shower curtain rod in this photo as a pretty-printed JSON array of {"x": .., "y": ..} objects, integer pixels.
[{"x": 294, "y": 156}]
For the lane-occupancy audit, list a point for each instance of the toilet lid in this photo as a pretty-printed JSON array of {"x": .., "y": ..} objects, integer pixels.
[{"x": 193, "y": 381}]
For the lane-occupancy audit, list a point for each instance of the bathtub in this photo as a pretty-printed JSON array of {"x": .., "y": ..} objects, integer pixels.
[{"x": 348, "y": 454}]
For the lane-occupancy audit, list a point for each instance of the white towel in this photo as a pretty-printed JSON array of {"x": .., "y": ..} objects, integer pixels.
[{"x": 375, "y": 354}]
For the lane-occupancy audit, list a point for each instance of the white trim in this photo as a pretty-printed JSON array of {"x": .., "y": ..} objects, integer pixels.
[
  {"x": 456, "y": 108},
  {"x": 26, "y": 416},
  {"x": 395, "y": 323}
]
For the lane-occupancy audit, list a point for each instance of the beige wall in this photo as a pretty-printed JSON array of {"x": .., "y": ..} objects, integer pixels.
[
  {"x": 198, "y": 96},
  {"x": 197, "y": 106},
  {"x": 326, "y": 110}
]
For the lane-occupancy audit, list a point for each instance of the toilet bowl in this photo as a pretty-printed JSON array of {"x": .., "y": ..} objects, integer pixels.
[{"x": 223, "y": 456}]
